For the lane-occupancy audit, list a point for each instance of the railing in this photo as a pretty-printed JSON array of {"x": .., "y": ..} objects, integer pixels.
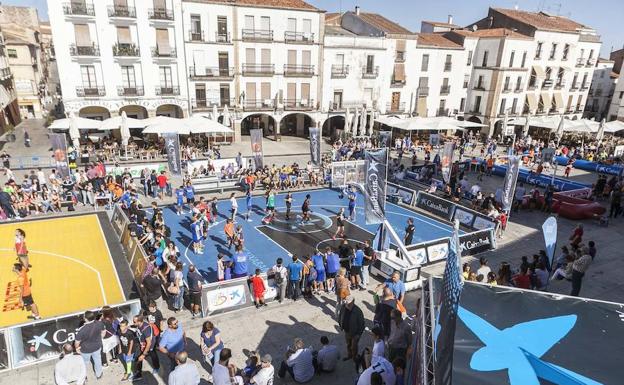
[
  {"x": 258, "y": 104},
  {"x": 207, "y": 104},
  {"x": 553, "y": 110},
  {"x": 298, "y": 70},
  {"x": 395, "y": 107},
  {"x": 423, "y": 91},
  {"x": 298, "y": 37},
  {"x": 90, "y": 91},
  {"x": 126, "y": 49},
  {"x": 580, "y": 62},
  {"x": 222, "y": 37},
  {"x": 339, "y": 71},
  {"x": 91, "y": 50},
  {"x": 168, "y": 90},
  {"x": 257, "y": 34},
  {"x": 547, "y": 84},
  {"x": 121, "y": 11},
  {"x": 560, "y": 83},
  {"x": 400, "y": 57},
  {"x": 396, "y": 82},
  {"x": 211, "y": 72},
  {"x": 130, "y": 91},
  {"x": 578, "y": 109},
  {"x": 447, "y": 67},
  {"x": 157, "y": 53},
  {"x": 258, "y": 69},
  {"x": 5, "y": 73},
  {"x": 196, "y": 36},
  {"x": 298, "y": 104},
  {"x": 78, "y": 9},
  {"x": 480, "y": 86},
  {"x": 442, "y": 112},
  {"x": 160, "y": 14},
  {"x": 370, "y": 72},
  {"x": 445, "y": 90}
]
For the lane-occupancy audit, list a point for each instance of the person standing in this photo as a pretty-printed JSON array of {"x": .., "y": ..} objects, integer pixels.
[
  {"x": 259, "y": 287},
  {"x": 280, "y": 278},
  {"x": 128, "y": 348},
  {"x": 249, "y": 205},
  {"x": 179, "y": 194},
  {"x": 305, "y": 208},
  {"x": 239, "y": 260},
  {"x": 351, "y": 206},
  {"x": 409, "y": 232},
  {"x": 395, "y": 284},
  {"x": 295, "y": 269},
  {"x": 234, "y": 207},
  {"x": 152, "y": 288},
  {"x": 89, "y": 342},
  {"x": 194, "y": 281},
  {"x": 185, "y": 373},
  {"x": 177, "y": 288},
  {"x": 579, "y": 267},
  {"x": 147, "y": 343},
  {"x": 172, "y": 340},
  {"x": 356, "y": 267},
  {"x": 333, "y": 264},
  {"x": 340, "y": 218},
  {"x": 383, "y": 311},
  {"x": 288, "y": 200},
  {"x": 369, "y": 255},
  {"x": 351, "y": 321},
  {"x": 615, "y": 202},
  {"x": 400, "y": 339},
  {"x": 71, "y": 368},
  {"x": 319, "y": 265},
  {"x": 20, "y": 248},
  {"x": 26, "y": 299},
  {"x": 162, "y": 181}
]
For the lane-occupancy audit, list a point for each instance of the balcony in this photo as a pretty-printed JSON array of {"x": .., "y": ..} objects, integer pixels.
[
  {"x": 223, "y": 37},
  {"x": 91, "y": 50},
  {"x": 580, "y": 62},
  {"x": 130, "y": 91},
  {"x": 298, "y": 70},
  {"x": 78, "y": 9},
  {"x": 445, "y": 90},
  {"x": 196, "y": 36},
  {"x": 208, "y": 73},
  {"x": 546, "y": 84},
  {"x": 447, "y": 67},
  {"x": 591, "y": 62},
  {"x": 370, "y": 72},
  {"x": 396, "y": 82},
  {"x": 334, "y": 107},
  {"x": 118, "y": 11},
  {"x": 207, "y": 104},
  {"x": 160, "y": 14},
  {"x": 400, "y": 57},
  {"x": 5, "y": 73},
  {"x": 157, "y": 54},
  {"x": 442, "y": 112},
  {"x": 298, "y": 37},
  {"x": 90, "y": 92},
  {"x": 167, "y": 90},
  {"x": 578, "y": 109},
  {"x": 560, "y": 83},
  {"x": 125, "y": 49},
  {"x": 298, "y": 104},
  {"x": 479, "y": 86},
  {"x": 258, "y": 105},
  {"x": 339, "y": 71},
  {"x": 258, "y": 69},
  {"x": 395, "y": 107},
  {"x": 422, "y": 91},
  {"x": 257, "y": 35}
]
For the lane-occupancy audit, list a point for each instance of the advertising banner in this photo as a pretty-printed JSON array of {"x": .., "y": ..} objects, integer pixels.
[
  {"x": 118, "y": 221},
  {"x": 406, "y": 195},
  {"x": 447, "y": 160},
  {"x": 549, "y": 228},
  {"x": 509, "y": 184},
  {"x": 338, "y": 175},
  {"x": 476, "y": 242},
  {"x": 256, "y": 147},
  {"x": 464, "y": 216},
  {"x": 375, "y": 187},
  {"x": 4, "y": 352},
  {"x": 59, "y": 154},
  {"x": 315, "y": 145},
  {"x": 172, "y": 145},
  {"x": 434, "y": 205},
  {"x": 384, "y": 138},
  {"x": 225, "y": 296},
  {"x": 135, "y": 170}
]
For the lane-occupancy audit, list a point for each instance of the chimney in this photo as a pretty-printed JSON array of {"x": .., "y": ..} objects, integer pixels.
[
  {"x": 491, "y": 21},
  {"x": 357, "y": 9},
  {"x": 450, "y": 19}
]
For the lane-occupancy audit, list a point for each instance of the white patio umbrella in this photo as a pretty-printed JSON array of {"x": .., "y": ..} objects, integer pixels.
[
  {"x": 614, "y": 126},
  {"x": 74, "y": 134},
  {"x": 81, "y": 123},
  {"x": 115, "y": 123},
  {"x": 163, "y": 124},
  {"x": 202, "y": 125},
  {"x": 226, "y": 116},
  {"x": 215, "y": 113},
  {"x": 560, "y": 129},
  {"x": 347, "y": 126}
]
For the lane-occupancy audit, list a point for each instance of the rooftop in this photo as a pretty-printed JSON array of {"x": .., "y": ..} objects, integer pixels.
[
  {"x": 388, "y": 26},
  {"x": 494, "y": 32},
  {"x": 442, "y": 24},
  {"x": 542, "y": 20},
  {"x": 12, "y": 38},
  {"x": 435, "y": 40},
  {"x": 284, "y": 4}
]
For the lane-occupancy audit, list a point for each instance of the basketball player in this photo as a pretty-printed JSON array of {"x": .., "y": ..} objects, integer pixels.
[
  {"x": 340, "y": 218},
  {"x": 305, "y": 209},
  {"x": 352, "y": 197}
]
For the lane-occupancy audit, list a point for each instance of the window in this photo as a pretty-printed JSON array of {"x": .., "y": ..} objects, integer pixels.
[
  {"x": 425, "y": 63},
  {"x": 524, "y": 56},
  {"x": 337, "y": 99},
  {"x": 485, "y": 59},
  {"x": 519, "y": 83},
  {"x": 591, "y": 54},
  {"x": 511, "y": 58},
  {"x": 127, "y": 77},
  {"x": 249, "y": 22},
  {"x": 514, "y": 106},
  {"x": 466, "y": 80},
  {"x": 584, "y": 83},
  {"x": 340, "y": 59},
  {"x": 200, "y": 94},
  {"x": 423, "y": 86},
  {"x": 566, "y": 50},
  {"x": 448, "y": 63},
  {"x": 441, "y": 107},
  {"x": 621, "y": 94},
  {"x": 88, "y": 76},
  {"x": 291, "y": 25},
  {"x": 166, "y": 80},
  {"x": 265, "y": 23},
  {"x": 307, "y": 27},
  {"x": 224, "y": 94},
  {"x": 538, "y": 50},
  {"x": 553, "y": 51},
  {"x": 370, "y": 64},
  {"x": 602, "y": 74},
  {"x": 480, "y": 82},
  {"x": 462, "y": 104},
  {"x": 574, "y": 80},
  {"x": 560, "y": 76},
  {"x": 506, "y": 86},
  {"x": 12, "y": 53},
  {"x": 502, "y": 106},
  {"x": 222, "y": 29},
  {"x": 477, "y": 104},
  {"x": 224, "y": 63},
  {"x": 469, "y": 62},
  {"x": 195, "y": 24},
  {"x": 548, "y": 73}
]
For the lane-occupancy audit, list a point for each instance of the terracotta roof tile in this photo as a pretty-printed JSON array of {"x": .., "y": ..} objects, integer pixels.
[
  {"x": 441, "y": 24},
  {"x": 287, "y": 4},
  {"x": 541, "y": 20},
  {"x": 384, "y": 24},
  {"x": 435, "y": 40},
  {"x": 494, "y": 32}
]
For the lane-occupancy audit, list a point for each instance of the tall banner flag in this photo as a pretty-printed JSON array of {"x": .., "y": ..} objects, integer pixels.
[
  {"x": 447, "y": 161},
  {"x": 550, "y": 237},
  {"x": 315, "y": 145},
  {"x": 172, "y": 145},
  {"x": 444, "y": 336},
  {"x": 256, "y": 147},
  {"x": 384, "y": 138},
  {"x": 59, "y": 154},
  {"x": 509, "y": 185},
  {"x": 375, "y": 186}
]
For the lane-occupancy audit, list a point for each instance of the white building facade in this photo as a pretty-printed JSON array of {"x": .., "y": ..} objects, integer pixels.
[
  {"x": 616, "y": 109},
  {"x": 601, "y": 90}
]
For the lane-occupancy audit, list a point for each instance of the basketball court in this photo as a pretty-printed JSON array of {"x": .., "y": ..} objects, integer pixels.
[
  {"x": 282, "y": 238},
  {"x": 72, "y": 266}
]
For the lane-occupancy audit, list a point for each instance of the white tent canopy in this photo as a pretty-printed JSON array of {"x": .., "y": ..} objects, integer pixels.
[
  {"x": 115, "y": 123},
  {"x": 552, "y": 123},
  {"x": 81, "y": 124},
  {"x": 441, "y": 123},
  {"x": 614, "y": 126},
  {"x": 164, "y": 124}
]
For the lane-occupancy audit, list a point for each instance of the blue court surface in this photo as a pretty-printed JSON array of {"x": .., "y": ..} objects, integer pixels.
[{"x": 282, "y": 238}]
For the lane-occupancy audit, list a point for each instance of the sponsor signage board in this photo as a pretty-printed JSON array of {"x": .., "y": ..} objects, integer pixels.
[{"x": 434, "y": 205}]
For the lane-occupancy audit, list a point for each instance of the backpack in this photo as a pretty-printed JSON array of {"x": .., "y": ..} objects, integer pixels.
[
  {"x": 312, "y": 274},
  {"x": 278, "y": 278}
]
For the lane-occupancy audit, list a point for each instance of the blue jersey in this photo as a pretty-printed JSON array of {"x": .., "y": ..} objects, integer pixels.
[
  {"x": 190, "y": 192},
  {"x": 179, "y": 195},
  {"x": 351, "y": 201},
  {"x": 248, "y": 200},
  {"x": 319, "y": 264},
  {"x": 196, "y": 230},
  {"x": 333, "y": 263},
  {"x": 359, "y": 258},
  {"x": 240, "y": 263},
  {"x": 294, "y": 271}
]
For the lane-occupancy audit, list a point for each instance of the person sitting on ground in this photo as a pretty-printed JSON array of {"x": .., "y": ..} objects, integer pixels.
[
  {"x": 565, "y": 270},
  {"x": 484, "y": 269},
  {"x": 223, "y": 372},
  {"x": 266, "y": 373},
  {"x": 299, "y": 363},
  {"x": 71, "y": 367},
  {"x": 327, "y": 357},
  {"x": 185, "y": 373}
]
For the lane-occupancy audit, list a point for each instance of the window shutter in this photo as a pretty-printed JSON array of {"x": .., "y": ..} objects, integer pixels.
[{"x": 83, "y": 38}]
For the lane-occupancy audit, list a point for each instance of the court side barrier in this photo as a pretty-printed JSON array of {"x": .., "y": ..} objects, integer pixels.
[
  {"x": 582, "y": 164},
  {"x": 526, "y": 176},
  {"x": 449, "y": 211},
  {"x": 39, "y": 341}
]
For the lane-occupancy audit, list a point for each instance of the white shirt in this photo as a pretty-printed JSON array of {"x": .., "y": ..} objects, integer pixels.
[
  {"x": 41, "y": 177},
  {"x": 220, "y": 374},
  {"x": 264, "y": 376},
  {"x": 281, "y": 271},
  {"x": 484, "y": 270},
  {"x": 70, "y": 368},
  {"x": 327, "y": 357},
  {"x": 379, "y": 348},
  {"x": 234, "y": 203},
  {"x": 381, "y": 366},
  {"x": 475, "y": 189},
  {"x": 301, "y": 362},
  {"x": 185, "y": 374}
]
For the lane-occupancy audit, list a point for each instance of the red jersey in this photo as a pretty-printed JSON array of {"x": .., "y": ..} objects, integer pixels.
[
  {"x": 257, "y": 283},
  {"x": 522, "y": 281},
  {"x": 162, "y": 181},
  {"x": 20, "y": 247}
]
